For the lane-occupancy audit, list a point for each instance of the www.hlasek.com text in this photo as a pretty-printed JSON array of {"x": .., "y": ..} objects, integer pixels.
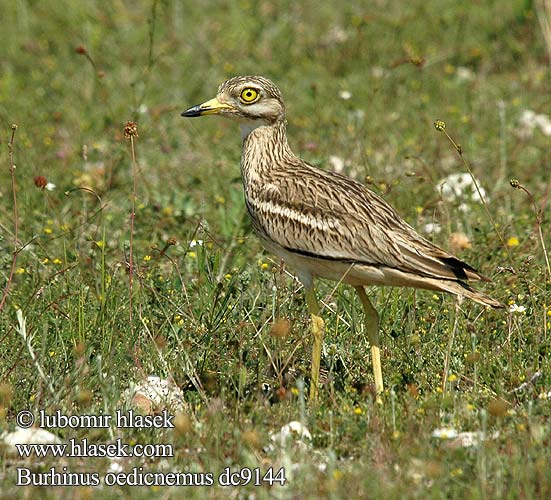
[{"x": 83, "y": 448}]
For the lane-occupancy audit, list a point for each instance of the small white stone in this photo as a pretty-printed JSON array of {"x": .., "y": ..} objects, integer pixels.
[
  {"x": 160, "y": 393},
  {"x": 27, "y": 436}
]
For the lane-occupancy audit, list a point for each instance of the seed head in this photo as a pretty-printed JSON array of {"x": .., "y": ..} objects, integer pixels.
[
  {"x": 439, "y": 125},
  {"x": 498, "y": 407},
  {"x": 281, "y": 328},
  {"x": 514, "y": 183},
  {"x": 81, "y": 49},
  {"x": 40, "y": 181},
  {"x": 131, "y": 130}
]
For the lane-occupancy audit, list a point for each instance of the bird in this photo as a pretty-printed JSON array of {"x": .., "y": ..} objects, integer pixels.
[{"x": 326, "y": 225}]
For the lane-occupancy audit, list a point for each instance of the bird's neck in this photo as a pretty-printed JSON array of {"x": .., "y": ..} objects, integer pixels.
[{"x": 265, "y": 147}]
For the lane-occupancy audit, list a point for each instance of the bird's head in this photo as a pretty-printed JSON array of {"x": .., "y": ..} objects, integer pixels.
[{"x": 252, "y": 100}]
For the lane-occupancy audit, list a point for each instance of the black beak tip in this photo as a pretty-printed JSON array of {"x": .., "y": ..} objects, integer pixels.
[{"x": 191, "y": 112}]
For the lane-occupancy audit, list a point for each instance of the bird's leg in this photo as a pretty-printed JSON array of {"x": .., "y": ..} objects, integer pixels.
[
  {"x": 318, "y": 328},
  {"x": 372, "y": 327}
]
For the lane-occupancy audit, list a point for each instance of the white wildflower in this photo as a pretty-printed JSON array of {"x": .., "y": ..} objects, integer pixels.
[
  {"x": 291, "y": 430},
  {"x": 358, "y": 115},
  {"x": 377, "y": 72},
  {"x": 50, "y": 186},
  {"x": 337, "y": 163},
  {"x": 457, "y": 439},
  {"x": 544, "y": 123},
  {"x": 336, "y": 34},
  {"x": 528, "y": 122},
  {"x": 194, "y": 243},
  {"x": 444, "y": 433},
  {"x": 465, "y": 74},
  {"x": 345, "y": 95},
  {"x": 470, "y": 439},
  {"x": 115, "y": 467},
  {"x": 516, "y": 309},
  {"x": 461, "y": 185},
  {"x": 527, "y": 118},
  {"x": 432, "y": 228}
]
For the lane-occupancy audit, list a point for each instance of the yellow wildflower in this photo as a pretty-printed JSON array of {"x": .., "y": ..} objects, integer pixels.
[{"x": 513, "y": 242}]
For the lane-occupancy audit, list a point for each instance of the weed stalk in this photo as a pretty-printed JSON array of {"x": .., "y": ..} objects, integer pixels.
[{"x": 15, "y": 217}]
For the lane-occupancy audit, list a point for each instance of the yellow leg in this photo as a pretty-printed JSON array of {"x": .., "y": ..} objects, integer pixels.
[
  {"x": 318, "y": 328},
  {"x": 372, "y": 327}
]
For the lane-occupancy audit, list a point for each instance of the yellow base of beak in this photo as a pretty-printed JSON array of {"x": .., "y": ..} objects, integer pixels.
[{"x": 212, "y": 107}]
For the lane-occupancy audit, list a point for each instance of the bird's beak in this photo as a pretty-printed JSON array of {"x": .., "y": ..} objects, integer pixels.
[{"x": 212, "y": 107}]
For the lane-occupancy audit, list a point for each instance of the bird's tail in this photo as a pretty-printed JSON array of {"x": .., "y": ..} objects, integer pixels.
[{"x": 463, "y": 289}]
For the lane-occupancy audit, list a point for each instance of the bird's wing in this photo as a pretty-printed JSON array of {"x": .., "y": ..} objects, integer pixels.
[{"x": 327, "y": 215}]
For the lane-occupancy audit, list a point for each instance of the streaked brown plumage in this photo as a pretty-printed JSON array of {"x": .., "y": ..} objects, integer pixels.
[{"x": 321, "y": 223}]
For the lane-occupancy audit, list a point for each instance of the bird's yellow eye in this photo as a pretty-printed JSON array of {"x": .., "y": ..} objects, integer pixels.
[{"x": 249, "y": 95}]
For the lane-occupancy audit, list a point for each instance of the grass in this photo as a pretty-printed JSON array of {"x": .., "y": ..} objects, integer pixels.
[{"x": 221, "y": 318}]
